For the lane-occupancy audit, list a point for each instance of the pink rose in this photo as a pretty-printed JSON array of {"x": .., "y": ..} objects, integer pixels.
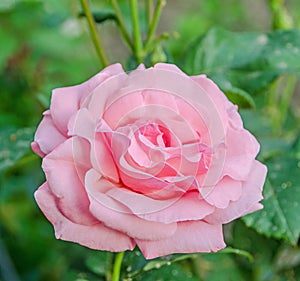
[{"x": 153, "y": 158}]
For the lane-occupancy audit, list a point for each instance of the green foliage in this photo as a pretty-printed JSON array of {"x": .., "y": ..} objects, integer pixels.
[
  {"x": 246, "y": 62},
  {"x": 279, "y": 218},
  {"x": 44, "y": 45},
  {"x": 15, "y": 144}
]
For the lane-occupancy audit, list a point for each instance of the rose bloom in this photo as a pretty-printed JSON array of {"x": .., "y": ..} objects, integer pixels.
[{"x": 152, "y": 158}]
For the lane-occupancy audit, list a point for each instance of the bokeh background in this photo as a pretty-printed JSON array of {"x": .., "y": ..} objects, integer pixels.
[{"x": 45, "y": 45}]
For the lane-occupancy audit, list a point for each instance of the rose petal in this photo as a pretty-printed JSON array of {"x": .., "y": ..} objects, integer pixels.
[
  {"x": 225, "y": 191},
  {"x": 212, "y": 90},
  {"x": 65, "y": 179},
  {"x": 169, "y": 67},
  {"x": 96, "y": 236},
  {"x": 82, "y": 124},
  {"x": 47, "y": 136},
  {"x": 115, "y": 215},
  {"x": 36, "y": 149},
  {"x": 187, "y": 207},
  {"x": 190, "y": 237},
  {"x": 241, "y": 150},
  {"x": 248, "y": 202},
  {"x": 66, "y": 101}
]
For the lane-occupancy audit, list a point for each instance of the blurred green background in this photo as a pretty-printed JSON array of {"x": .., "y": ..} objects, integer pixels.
[{"x": 44, "y": 45}]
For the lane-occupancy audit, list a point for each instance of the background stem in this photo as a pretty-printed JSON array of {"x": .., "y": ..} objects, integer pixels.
[
  {"x": 121, "y": 23},
  {"x": 154, "y": 23},
  {"x": 93, "y": 30},
  {"x": 281, "y": 19},
  {"x": 149, "y": 11},
  {"x": 138, "y": 46}
]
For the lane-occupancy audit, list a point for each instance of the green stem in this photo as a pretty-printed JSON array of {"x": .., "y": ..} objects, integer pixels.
[
  {"x": 117, "y": 266},
  {"x": 154, "y": 23},
  {"x": 93, "y": 30},
  {"x": 280, "y": 16},
  {"x": 149, "y": 11},
  {"x": 121, "y": 23},
  {"x": 138, "y": 46}
]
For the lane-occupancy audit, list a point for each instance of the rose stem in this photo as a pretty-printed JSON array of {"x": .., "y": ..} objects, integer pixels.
[
  {"x": 138, "y": 44},
  {"x": 149, "y": 10},
  {"x": 153, "y": 26},
  {"x": 93, "y": 30},
  {"x": 117, "y": 266},
  {"x": 122, "y": 25}
]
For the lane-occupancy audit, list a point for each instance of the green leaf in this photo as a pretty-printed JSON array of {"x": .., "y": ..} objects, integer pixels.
[
  {"x": 280, "y": 216},
  {"x": 15, "y": 144},
  {"x": 214, "y": 267},
  {"x": 99, "y": 262},
  {"x": 171, "y": 272},
  {"x": 245, "y": 60},
  {"x": 239, "y": 97}
]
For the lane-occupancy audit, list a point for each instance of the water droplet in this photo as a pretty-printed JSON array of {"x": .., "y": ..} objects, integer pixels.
[
  {"x": 157, "y": 265},
  {"x": 282, "y": 65},
  {"x": 137, "y": 254},
  {"x": 262, "y": 39},
  {"x": 264, "y": 213},
  {"x": 284, "y": 185},
  {"x": 174, "y": 272},
  {"x": 168, "y": 263},
  {"x": 277, "y": 52},
  {"x": 277, "y": 167},
  {"x": 273, "y": 175},
  {"x": 129, "y": 268}
]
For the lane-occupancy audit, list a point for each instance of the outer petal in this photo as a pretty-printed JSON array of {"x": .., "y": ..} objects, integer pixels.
[
  {"x": 66, "y": 101},
  {"x": 249, "y": 201},
  {"x": 225, "y": 191},
  {"x": 190, "y": 237},
  {"x": 47, "y": 136},
  {"x": 64, "y": 177},
  {"x": 187, "y": 207},
  {"x": 169, "y": 67},
  {"x": 213, "y": 91},
  {"x": 241, "y": 150},
  {"x": 96, "y": 236},
  {"x": 114, "y": 215}
]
